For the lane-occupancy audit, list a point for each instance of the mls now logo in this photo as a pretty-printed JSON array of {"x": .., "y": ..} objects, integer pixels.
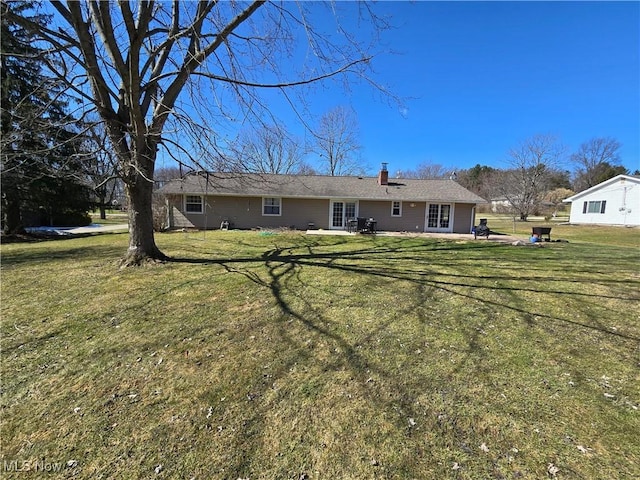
[{"x": 31, "y": 466}]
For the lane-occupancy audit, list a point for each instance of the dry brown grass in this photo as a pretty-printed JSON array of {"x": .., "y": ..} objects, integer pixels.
[{"x": 321, "y": 357}]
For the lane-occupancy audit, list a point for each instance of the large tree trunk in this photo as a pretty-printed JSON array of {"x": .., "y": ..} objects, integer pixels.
[{"x": 142, "y": 245}]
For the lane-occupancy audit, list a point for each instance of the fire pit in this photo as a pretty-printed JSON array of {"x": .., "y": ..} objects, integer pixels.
[{"x": 541, "y": 232}]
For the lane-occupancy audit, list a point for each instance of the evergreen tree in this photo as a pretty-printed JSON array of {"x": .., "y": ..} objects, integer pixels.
[{"x": 41, "y": 173}]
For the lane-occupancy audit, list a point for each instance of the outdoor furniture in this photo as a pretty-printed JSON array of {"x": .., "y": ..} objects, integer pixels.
[
  {"x": 370, "y": 226},
  {"x": 540, "y": 232},
  {"x": 481, "y": 230},
  {"x": 362, "y": 225}
]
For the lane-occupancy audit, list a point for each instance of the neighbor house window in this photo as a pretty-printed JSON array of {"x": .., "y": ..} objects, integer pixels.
[
  {"x": 396, "y": 209},
  {"x": 193, "y": 204},
  {"x": 271, "y": 206},
  {"x": 594, "y": 207}
]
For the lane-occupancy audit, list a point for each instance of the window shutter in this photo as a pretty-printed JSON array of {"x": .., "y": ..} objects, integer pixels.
[
  {"x": 604, "y": 204},
  {"x": 584, "y": 207}
]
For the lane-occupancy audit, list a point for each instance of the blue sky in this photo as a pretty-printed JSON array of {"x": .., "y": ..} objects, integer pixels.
[
  {"x": 480, "y": 77},
  {"x": 477, "y": 78}
]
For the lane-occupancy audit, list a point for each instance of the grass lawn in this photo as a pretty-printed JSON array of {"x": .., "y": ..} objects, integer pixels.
[
  {"x": 560, "y": 229},
  {"x": 113, "y": 218},
  {"x": 288, "y": 356}
]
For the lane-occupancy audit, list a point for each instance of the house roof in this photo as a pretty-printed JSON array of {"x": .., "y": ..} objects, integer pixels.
[
  {"x": 616, "y": 179},
  {"x": 319, "y": 186}
]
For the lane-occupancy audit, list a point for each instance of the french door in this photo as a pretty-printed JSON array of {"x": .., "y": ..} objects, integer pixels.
[
  {"x": 341, "y": 212},
  {"x": 439, "y": 218}
]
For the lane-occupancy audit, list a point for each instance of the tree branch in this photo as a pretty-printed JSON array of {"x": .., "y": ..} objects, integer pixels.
[
  {"x": 297, "y": 83},
  {"x": 191, "y": 63},
  {"x": 101, "y": 15}
]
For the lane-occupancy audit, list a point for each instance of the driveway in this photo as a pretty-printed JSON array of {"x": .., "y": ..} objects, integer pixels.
[{"x": 87, "y": 230}]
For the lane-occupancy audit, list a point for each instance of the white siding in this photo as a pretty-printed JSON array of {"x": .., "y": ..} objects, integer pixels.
[{"x": 622, "y": 195}]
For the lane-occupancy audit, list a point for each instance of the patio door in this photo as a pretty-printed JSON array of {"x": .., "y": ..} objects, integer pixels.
[
  {"x": 341, "y": 212},
  {"x": 439, "y": 217}
]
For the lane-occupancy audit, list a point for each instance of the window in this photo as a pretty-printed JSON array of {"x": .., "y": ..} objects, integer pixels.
[
  {"x": 396, "y": 209},
  {"x": 271, "y": 206},
  {"x": 349, "y": 210},
  {"x": 594, "y": 207},
  {"x": 193, "y": 204}
]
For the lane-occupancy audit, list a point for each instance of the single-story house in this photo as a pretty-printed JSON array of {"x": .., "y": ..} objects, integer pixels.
[
  {"x": 207, "y": 200},
  {"x": 613, "y": 202}
]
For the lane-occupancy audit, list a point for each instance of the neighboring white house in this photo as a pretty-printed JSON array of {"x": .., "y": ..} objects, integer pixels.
[
  {"x": 504, "y": 205},
  {"x": 500, "y": 205},
  {"x": 613, "y": 202}
]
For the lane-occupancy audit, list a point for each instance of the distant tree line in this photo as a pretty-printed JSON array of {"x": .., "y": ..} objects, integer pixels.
[
  {"x": 539, "y": 173},
  {"x": 536, "y": 175}
]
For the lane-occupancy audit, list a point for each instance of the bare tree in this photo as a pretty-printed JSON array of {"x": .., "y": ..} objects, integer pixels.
[
  {"x": 166, "y": 174},
  {"x": 428, "y": 170},
  {"x": 102, "y": 168},
  {"x": 336, "y": 142},
  {"x": 270, "y": 149},
  {"x": 139, "y": 65},
  {"x": 305, "y": 169},
  {"x": 159, "y": 203},
  {"x": 533, "y": 163},
  {"x": 596, "y": 161}
]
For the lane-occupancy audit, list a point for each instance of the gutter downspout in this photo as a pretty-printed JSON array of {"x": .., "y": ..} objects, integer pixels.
[{"x": 473, "y": 218}]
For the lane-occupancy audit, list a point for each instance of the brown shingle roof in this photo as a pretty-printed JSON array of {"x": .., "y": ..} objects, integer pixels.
[{"x": 319, "y": 186}]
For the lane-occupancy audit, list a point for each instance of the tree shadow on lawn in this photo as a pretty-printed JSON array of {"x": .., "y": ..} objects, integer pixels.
[
  {"x": 280, "y": 271},
  {"x": 380, "y": 262},
  {"x": 46, "y": 252}
]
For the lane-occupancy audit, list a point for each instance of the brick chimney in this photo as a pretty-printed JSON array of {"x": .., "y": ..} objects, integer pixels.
[{"x": 383, "y": 176}]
